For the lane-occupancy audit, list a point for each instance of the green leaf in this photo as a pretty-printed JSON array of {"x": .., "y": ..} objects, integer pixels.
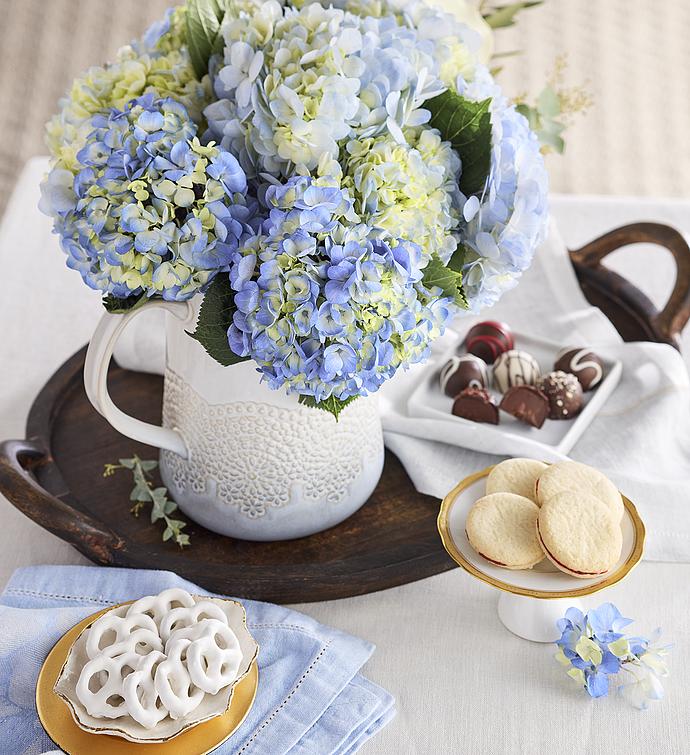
[
  {"x": 117, "y": 306},
  {"x": 467, "y": 126},
  {"x": 551, "y": 141},
  {"x": 215, "y": 317},
  {"x": 447, "y": 277},
  {"x": 203, "y": 21},
  {"x": 504, "y": 15},
  {"x": 332, "y": 404},
  {"x": 140, "y": 493},
  {"x": 144, "y": 492},
  {"x": 549, "y": 103}
]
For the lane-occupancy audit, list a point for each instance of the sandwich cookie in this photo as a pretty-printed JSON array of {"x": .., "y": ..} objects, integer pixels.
[
  {"x": 571, "y": 475},
  {"x": 502, "y": 528},
  {"x": 515, "y": 476},
  {"x": 578, "y": 534}
]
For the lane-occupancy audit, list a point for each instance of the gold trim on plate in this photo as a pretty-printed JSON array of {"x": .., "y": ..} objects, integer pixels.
[
  {"x": 454, "y": 552},
  {"x": 57, "y": 719}
]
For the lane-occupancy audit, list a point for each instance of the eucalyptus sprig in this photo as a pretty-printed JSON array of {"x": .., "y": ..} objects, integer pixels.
[{"x": 144, "y": 492}]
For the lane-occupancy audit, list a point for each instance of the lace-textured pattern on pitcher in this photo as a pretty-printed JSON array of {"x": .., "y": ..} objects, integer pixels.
[{"x": 320, "y": 465}]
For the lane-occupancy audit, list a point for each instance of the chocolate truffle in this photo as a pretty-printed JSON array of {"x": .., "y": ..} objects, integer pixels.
[
  {"x": 527, "y": 403},
  {"x": 465, "y": 371},
  {"x": 515, "y": 368},
  {"x": 475, "y": 404},
  {"x": 488, "y": 340},
  {"x": 564, "y": 393},
  {"x": 583, "y": 363}
]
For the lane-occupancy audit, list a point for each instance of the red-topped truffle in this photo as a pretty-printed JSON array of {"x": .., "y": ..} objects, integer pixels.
[{"x": 489, "y": 339}]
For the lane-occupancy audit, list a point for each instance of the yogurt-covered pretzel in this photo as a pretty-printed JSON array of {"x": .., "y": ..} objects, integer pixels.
[
  {"x": 99, "y": 640},
  {"x": 159, "y": 659},
  {"x": 106, "y": 675},
  {"x": 158, "y": 606},
  {"x": 214, "y": 657},
  {"x": 139, "y": 692},
  {"x": 181, "y": 618},
  {"x": 173, "y": 683}
]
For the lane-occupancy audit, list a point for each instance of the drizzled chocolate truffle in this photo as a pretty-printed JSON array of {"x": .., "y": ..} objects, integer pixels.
[
  {"x": 526, "y": 403},
  {"x": 475, "y": 404},
  {"x": 488, "y": 340},
  {"x": 465, "y": 371},
  {"x": 515, "y": 367},
  {"x": 583, "y": 363},
  {"x": 564, "y": 393}
]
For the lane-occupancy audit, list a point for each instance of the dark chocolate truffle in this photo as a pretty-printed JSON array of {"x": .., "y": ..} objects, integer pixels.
[
  {"x": 460, "y": 372},
  {"x": 475, "y": 404},
  {"x": 527, "y": 403},
  {"x": 564, "y": 393},
  {"x": 487, "y": 340},
  {"x": 515, "y": 368},
  {"x": 583, "y": 363}
]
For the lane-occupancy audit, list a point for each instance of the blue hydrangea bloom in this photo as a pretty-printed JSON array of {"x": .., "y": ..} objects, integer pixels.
[
  {"x": 149, "y": 210},
  {"x": 504, "y": 225},
  {"x": 325, "y": 305},
  {"x": 593, "y": 649}
]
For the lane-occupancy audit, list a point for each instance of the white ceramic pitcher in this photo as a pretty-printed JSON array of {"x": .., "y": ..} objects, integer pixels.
[{"x": 237, "y": 457}]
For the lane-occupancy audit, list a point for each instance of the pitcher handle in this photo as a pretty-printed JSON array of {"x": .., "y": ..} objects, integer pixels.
[{"x": 98, "y": 358}]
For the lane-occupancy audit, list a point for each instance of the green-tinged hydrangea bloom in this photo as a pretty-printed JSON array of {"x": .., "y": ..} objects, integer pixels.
[
  {"x": 151, "y": 211},
  {"x": 407, "y": 189},
  {"x": 160, "y": 67}
]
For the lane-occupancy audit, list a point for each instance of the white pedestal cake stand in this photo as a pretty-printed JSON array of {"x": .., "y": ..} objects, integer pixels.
[{"x": 531, "y": 600}]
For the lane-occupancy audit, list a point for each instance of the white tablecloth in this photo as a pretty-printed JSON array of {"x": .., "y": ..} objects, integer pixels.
[{"x": 462, "y": 682}]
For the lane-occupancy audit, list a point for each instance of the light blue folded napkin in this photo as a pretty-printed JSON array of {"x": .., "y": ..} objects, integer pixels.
[{"x": 311, "y": 698}]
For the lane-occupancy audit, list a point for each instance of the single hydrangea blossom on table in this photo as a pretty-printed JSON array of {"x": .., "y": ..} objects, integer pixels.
[
  {"x": 336, "y": 182},
  {"x": 594, "y": 649}
]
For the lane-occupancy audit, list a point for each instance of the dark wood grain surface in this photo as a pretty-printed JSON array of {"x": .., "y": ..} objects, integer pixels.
[{"x": 55, "y": 477}]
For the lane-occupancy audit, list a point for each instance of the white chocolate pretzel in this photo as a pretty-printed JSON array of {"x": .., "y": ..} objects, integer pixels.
[{"x": 159, "y": 659}]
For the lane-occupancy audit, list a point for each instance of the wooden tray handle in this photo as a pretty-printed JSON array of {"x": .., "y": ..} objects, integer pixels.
[
  {"x": 93, "y": 539},
  {"x": 674, "y": 316}
]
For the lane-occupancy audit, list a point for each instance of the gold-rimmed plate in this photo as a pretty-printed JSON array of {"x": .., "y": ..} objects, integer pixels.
[
  {"x": 60, "y": 726},
  {"x": 544, "y": 580}
]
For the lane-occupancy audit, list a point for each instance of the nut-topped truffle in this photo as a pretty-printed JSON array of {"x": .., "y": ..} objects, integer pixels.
[{"x": 564, "y": 392}]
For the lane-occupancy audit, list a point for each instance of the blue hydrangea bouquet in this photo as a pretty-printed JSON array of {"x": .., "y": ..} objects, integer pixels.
[{"x": 338, "y": 182}]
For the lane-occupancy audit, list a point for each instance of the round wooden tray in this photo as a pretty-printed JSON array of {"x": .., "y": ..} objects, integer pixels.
[{"x": 56, "y": 477}]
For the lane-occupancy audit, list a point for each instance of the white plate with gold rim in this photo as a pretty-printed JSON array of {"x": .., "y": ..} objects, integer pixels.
[{"x": 551, "y": 588}]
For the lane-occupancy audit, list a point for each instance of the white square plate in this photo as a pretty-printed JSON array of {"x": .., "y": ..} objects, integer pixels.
[{"x": 510, "y": 437}]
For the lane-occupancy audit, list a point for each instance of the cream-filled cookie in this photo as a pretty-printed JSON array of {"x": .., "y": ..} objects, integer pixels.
[
  {"x": 578, "y": 534},
  {"x": 571, "y": 475},
  {"x": 515, "y": 476},
  {"x": 501, "y": 527}
]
